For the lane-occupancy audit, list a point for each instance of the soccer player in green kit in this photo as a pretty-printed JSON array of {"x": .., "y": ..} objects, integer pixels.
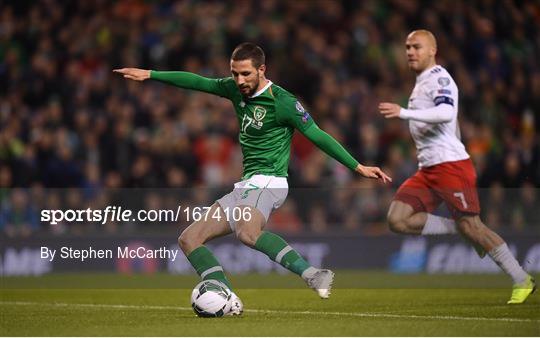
[{"x": 267, "y": 115}]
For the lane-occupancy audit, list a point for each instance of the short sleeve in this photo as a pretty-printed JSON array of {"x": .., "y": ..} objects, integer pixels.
[
  {"x": 441, "y": 89},
  {"x": 291, "y": 112}
]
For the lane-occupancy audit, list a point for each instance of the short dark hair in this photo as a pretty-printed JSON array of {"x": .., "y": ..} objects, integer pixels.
[{"x": 249, "y": 51}]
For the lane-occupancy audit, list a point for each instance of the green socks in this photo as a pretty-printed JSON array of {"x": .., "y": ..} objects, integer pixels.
[
  {"x": 207, "y": 266},
  {"x": 279, "y": 251}
]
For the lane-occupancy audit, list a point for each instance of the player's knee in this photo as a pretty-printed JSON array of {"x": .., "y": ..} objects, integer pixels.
[
  {"x": 188, "y": 240},
  {"x": 396, "y": 224},
  {"x": 183, "y": 240},
  {"x": 247, "y": 235},
  {"x": 469, "y": 225}
]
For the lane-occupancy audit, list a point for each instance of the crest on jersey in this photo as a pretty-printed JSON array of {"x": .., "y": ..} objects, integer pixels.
[
  {"x": 443, "y": 81},
  {"x": 259, "y": 113}
]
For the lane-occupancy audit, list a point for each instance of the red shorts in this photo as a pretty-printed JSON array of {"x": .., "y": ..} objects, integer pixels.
[{"x": 451, "y": 182}]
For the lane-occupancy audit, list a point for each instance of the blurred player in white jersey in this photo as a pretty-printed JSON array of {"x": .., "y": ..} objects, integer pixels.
[{"x": 446, "y": 172}]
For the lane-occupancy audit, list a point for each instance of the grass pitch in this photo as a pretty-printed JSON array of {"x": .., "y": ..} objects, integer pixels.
[{"x": 362, "y": 304}]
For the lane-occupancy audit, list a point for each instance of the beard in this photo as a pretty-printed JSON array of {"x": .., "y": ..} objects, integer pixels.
[{"x": 253, "y": 89}]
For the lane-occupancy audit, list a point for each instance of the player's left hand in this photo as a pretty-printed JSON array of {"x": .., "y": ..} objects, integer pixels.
[
  {"x": 136, "y": 74},
  {"x": 389, "y": 110},
  {"x": 373, "y": 172}
]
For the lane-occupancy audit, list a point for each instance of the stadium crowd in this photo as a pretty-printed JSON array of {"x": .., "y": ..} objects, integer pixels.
[{"x": 66, "y": 121}]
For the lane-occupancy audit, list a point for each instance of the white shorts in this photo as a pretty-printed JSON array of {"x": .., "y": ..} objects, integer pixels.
[{"x": 265, "y": 193}]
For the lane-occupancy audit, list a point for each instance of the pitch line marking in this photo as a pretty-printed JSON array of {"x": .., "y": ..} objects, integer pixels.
[{"x": 350, "y": 314}]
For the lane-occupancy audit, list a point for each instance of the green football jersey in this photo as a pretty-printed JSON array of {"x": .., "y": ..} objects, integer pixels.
[{"x": 267, "y": 122}]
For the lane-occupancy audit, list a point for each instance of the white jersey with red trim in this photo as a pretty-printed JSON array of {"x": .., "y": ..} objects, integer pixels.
[{"x": 436, "y": 142}]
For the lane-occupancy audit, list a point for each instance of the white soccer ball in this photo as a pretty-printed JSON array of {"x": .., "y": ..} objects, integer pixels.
[{"x": 211, "y": 298}]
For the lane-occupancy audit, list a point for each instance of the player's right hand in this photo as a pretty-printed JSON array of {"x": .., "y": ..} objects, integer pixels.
[
  {"x": 389, "y": 110},
  {"x": 136, "y": 74},
  {"x": 373, "y": 172}
]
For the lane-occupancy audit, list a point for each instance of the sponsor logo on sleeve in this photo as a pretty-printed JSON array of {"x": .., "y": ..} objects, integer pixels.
[
  {"x": 305, "y": 117},
  {"x": 443, "y": 81},
  {"x": 301, "y": 109}
]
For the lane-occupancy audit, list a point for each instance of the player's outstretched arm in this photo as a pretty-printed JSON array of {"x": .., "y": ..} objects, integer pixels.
[
  {"x": 439, "y": 114},
  {"x": 180, "y": 79},
  {"x": 332, "y": 147}
]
